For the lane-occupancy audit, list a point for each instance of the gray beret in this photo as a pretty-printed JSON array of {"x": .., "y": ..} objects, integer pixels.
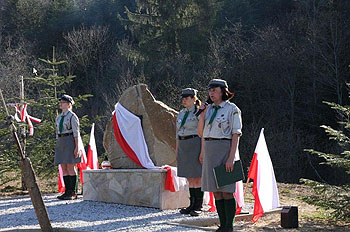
[
  {"x": 189, "y": 92},
  {"x": 67, "y": 98},
  {"x": 217, "y": 83}
]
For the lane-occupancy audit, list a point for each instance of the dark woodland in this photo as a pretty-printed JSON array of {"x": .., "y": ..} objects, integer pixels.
[{"x": 281, "y": 58}]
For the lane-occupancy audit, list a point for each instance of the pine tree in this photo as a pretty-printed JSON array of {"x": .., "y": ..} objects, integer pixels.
[
  {"x": 9, "y": 157},
  {"x": 51, "y": 85},
  {"x": 164, "y": 30},
  {"x": 335, "y": 198},
  {"x": 41, "y": 146}
]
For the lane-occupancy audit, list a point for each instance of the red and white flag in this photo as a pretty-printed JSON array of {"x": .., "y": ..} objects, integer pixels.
[
  {"x": 129, "y": 135},
  {"x": 239, "y": 189},
  {"x": 211, "y": 201},
  {"x": 25, "y": 117},
  {"x": 261, "y": 171},
  {"x": 61, "y": 186},
  {"x": 92, "y": 160},
  {"x": 239, "y": 196},
  {"x": 83, "y": 165}
]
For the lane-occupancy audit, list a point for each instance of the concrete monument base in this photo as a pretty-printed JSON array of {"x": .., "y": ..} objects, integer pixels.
[{"x": 139, "y": 187}]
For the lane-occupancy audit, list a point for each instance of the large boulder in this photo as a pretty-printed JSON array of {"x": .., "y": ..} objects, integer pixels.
[{"x": 158, "y": 123}]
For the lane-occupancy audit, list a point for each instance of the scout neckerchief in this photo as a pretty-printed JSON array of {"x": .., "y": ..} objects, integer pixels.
[
  {"x": 184, "y": 118},
  {"x": 216, "y": 108},
  {"x": 60, "y": 125}
]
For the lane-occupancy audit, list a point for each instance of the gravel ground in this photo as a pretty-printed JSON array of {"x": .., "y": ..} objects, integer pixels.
[{"x": 18, "y": 213}]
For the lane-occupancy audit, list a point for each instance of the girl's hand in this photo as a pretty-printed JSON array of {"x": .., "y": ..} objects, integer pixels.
[
  {"x": 229, "y": 165},
  {"x": 76, "y": 152},
  {"x": 201, "y": 156},
  {"x": 203, "y": 106}
]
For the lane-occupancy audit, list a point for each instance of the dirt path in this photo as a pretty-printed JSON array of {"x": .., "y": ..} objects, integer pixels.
[{"x": 310, "y": 218}]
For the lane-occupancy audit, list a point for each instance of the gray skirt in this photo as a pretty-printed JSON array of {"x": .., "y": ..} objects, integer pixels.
[
  {"x": 216, "y": 153},
  {"x": 65, "y": 150},
  {"x": 188, "y": 164}
]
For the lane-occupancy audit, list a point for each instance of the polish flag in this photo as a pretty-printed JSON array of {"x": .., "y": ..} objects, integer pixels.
[
  {"x": 211, "y": 201},
  {"x": 92, "y": 160},
  {"x": 239, "y": 189},
  {"x": 83, "y": 165},
  {"x": 25, "y": 117},
  {"x": 261, "y": 171},
  {"x": 61, "y": 186},
  {"x": 239, "y": 196},
  {"x": 209, "y": 198},
  {"x": 129, "y": 135}
]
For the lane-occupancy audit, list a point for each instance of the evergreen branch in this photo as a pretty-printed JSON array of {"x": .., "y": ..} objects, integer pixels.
[
  {"x": 337, "y": 135},
  {"x": 53, "y": 62}
]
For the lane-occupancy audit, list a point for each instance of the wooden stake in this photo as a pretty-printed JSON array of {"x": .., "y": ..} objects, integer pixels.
[
  {"x": 22, "y": 90},
  {"x": 29, "y": 179},
  {"x": 23, "y": 136}
]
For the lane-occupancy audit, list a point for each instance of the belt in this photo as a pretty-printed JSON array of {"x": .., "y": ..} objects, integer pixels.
[
  {"x": 187, "y": 137},
  {"x": 209, "y": 139},
  {"x": 63, "y": 135}
]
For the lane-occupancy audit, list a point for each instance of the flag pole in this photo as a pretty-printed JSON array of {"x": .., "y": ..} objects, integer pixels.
[
  {"x": 23, "y": 128},
  {"x": 246, "y": 187}
]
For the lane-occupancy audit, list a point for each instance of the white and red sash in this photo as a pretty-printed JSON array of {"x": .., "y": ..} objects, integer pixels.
[
  {"x": 129, "y": 135},
  {"x": 25, "y": 117}
]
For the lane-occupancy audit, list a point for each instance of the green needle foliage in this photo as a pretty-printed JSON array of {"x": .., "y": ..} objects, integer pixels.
[
  {"x": 163, "y": 32},
  {"x": 9, "y": 156},
  {"x": 40, "y": 148},
  {"x": 335, "y": 198}
]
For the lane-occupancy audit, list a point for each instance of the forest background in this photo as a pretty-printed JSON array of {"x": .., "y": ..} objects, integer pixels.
[{"x": 281, "y": 58}]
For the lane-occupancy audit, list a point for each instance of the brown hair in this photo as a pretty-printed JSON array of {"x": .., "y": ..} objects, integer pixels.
[
  {"x": 226, "y": 94},
  {"x": 197, "y": 102}
]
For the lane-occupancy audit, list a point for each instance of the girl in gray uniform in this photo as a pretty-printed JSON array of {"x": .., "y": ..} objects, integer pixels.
[
  {"x": 188, "y": 148},
  {"x": 220, "y": 126},
  {"x": 67, "y": 153}
]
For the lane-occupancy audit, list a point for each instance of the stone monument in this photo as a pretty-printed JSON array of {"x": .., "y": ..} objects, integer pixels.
[
  {"x": 127, "y": 183},
  {"x": 158, "y": 123}
]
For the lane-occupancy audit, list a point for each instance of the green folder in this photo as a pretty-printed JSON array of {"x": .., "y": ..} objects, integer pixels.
[{"x": 223, "y": 178}]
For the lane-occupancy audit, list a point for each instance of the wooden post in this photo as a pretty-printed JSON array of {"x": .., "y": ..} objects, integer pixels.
[
  {"x": 23, "y": 138},
  {"x": 23, "y": 127},
  {"x": 29, "y": 178}
]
